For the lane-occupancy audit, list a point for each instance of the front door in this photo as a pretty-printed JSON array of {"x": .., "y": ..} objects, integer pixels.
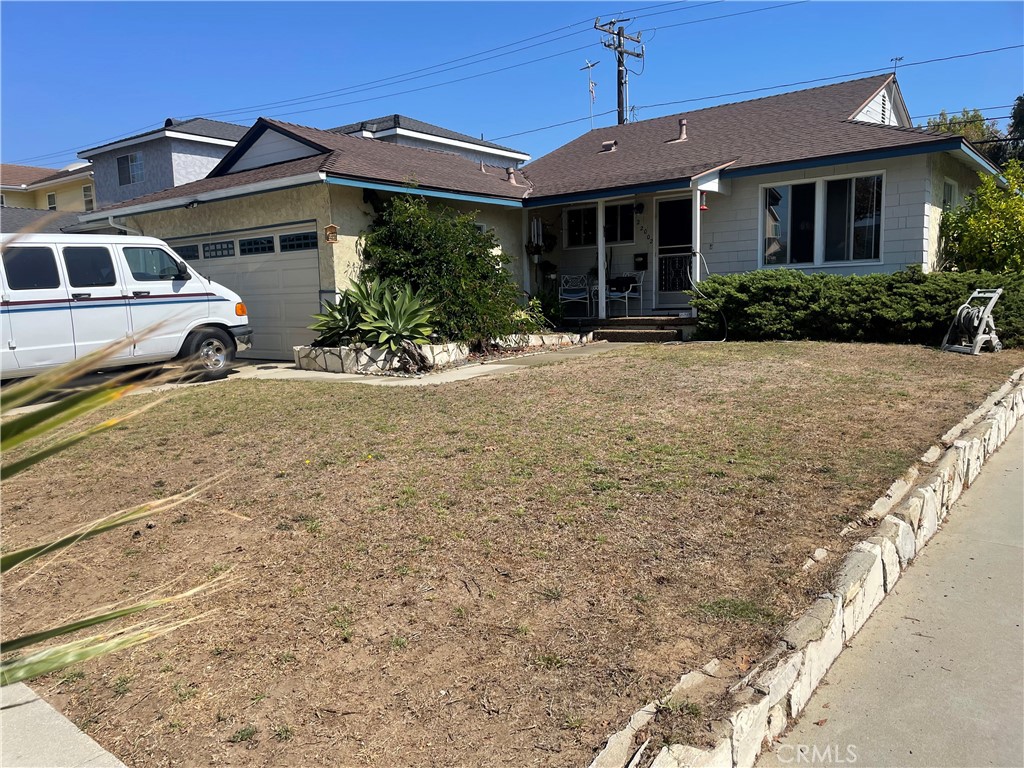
[
  {"x": 161, "y": 306},
  {"x": 674, "y": 228}
]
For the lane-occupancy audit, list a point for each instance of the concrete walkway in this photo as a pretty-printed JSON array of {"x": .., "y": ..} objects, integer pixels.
[
  {"x": 935, "y": 677},
  {"x": 35, "y": 735}
]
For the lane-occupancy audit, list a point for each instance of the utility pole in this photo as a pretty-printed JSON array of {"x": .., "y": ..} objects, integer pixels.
[{"x": 617, "y": 43}]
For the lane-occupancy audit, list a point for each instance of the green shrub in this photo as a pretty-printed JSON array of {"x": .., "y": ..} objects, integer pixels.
[
  {"x": 906, "y": 307},
  {"x": 457, "y": 269}
]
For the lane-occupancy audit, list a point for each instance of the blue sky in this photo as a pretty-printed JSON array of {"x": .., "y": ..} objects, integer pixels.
[{"x": 78, "y": 74}]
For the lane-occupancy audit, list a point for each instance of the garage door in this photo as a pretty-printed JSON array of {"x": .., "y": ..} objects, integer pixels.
[{"x": 277, "y": 274}]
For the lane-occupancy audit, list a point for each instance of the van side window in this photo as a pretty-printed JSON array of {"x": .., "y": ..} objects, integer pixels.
[
  {"x": 89, "y": 266},
  {"x": 30, "y": 268},
  {"x": 150, "y": 264}
]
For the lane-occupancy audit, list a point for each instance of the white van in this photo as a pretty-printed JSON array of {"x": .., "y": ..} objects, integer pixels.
[{"x": 64, "y": 296}]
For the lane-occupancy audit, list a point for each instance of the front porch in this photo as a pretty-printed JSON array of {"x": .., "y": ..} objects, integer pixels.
[
  {"x": 632, "y": 256},
  {"x": 650, "y": 328}
]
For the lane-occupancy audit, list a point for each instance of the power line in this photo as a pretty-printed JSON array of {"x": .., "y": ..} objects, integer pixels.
[
  {"x": 833, "y": 77},
  {"x": 386, "y": 80},
  {"x": 978, "y": 109},
  {"x": 782, "y": 85},
  {"x": 442, "y": 67},
  {"x": 556, "y": 125}
]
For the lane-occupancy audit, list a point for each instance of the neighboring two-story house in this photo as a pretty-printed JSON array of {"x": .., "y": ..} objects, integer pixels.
[
  {"x": 180, "y": 152},
  {"x": 28, "y": 186}
]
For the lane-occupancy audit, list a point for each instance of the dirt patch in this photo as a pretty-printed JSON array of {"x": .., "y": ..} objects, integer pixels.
[{"x": 493, "y": 572}]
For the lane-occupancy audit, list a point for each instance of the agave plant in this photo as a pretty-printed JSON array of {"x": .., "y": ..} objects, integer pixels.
[
  {"x": 338, "y": 324},
  {"x": 399, "y": 318},
  {"x": 30, "y": 434}
]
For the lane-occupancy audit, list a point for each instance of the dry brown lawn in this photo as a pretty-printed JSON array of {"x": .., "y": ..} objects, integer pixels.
[{"x": 491, "y": 573}]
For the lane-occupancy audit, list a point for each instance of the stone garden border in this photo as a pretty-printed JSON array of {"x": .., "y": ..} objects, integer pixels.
[
  {"x": 779, "y": 686},
  {"x": 371, "y": 360}
]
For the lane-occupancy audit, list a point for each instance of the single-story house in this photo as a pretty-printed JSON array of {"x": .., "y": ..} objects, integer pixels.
[{"x": 833, "y": 178}]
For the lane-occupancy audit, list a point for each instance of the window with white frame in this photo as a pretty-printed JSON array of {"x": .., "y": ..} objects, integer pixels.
[
  {"x": 950, "y": 193},
  {"x": 581, "y": 225},
  {"x": 51, "y": 201},
  {"x": 822, "y": 221},
  {"x": 129, "y": 169},
  {"x": 87, "y": 197}
]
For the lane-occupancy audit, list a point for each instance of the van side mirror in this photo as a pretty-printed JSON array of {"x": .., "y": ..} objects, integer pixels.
[{"x": 183, "y": 273}]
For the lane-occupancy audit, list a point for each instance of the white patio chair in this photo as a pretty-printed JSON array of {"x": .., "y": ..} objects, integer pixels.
[
  {"x": 574, "y": 288},
  {"x": 632, "y": 290}
]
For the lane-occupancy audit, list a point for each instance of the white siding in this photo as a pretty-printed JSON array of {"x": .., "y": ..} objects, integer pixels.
[
  {"x": 886, "y": 108},
  {"x": 272, "y": 147},
  {"x": 942, "y": 166}
]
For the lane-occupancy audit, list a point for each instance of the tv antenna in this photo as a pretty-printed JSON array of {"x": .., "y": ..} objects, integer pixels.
[
  {"x": 590, "y": 86},
  {"x": 895, "y": 63}
]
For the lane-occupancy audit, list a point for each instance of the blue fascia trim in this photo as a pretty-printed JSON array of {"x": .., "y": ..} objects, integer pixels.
[
  {"x": 983, "y": 161},
  {"x": 597, "y": 194},
  {"x": 425, "y": 192},
  {"x": 852, "y": 157}
]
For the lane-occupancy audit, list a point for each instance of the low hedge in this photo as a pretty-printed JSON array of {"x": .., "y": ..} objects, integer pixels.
[{"x": 907, "y": 307}]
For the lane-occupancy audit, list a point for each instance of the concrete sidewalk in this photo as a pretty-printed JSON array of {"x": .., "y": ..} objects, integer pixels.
[
  {"x": 35, "y": 735},
  {"x": 935, "y": 677}
]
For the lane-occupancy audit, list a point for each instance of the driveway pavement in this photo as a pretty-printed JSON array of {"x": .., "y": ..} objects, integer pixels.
[{"x": 935, "y": 677}]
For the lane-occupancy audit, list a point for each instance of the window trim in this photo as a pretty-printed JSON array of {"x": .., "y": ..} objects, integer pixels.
[
  {"x": 616, "y": 203},
  {"x": 88, "y": 200},
  {"x": 131, "y": 175},
  {"x": 819, "y": 222},
  {"x": 51, "y": 196},
  {"x": 956, "y": 194}
]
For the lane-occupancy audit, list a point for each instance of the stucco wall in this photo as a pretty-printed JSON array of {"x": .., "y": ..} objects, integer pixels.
[
  {"x": 192, "y": 160},
  {"x": 17, "y": 199},
  {"x": 157, "y": 172},
  {"x": 942, "y": 166},
  {"x": 240, "y": 213},
  {"x": 69, "y": 196},
  {"x": 476, "y": 155}
]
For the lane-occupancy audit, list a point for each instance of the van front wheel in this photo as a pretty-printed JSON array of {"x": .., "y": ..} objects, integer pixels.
[{"x": 210, "y": 351}]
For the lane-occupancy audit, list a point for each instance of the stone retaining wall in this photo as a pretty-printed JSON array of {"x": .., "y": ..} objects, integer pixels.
[
  {"x": 780, "y": 685},
  {"x": 371, "y": 359}
]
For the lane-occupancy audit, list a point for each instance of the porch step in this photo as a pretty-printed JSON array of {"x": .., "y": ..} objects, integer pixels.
[
  {"x": 660, "y": 322},
  {"x": 642, "y": 335}
]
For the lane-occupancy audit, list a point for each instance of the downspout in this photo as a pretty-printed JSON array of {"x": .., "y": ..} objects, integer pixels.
[
  {"x": 695, "y": 258},
  {"x": 601, "y": 275},
  {"x": 124, "y": 227}
]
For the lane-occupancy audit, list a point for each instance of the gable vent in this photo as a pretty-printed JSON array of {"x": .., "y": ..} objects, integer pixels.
[{"x": 885, "y": 109}]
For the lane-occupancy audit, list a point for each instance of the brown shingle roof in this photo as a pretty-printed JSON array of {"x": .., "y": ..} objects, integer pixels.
[
  {"x": 358, "y": 159},
  {"x": 374, "y": 160},
  {"x": 794, "y": 126},
  {"x": 16, "y": 175}
]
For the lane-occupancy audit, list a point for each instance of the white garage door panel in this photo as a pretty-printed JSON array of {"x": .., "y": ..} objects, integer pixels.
[{"x": 281, "y": 291}]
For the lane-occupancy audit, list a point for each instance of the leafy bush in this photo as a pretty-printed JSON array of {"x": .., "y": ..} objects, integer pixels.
[
  {"x": 906, "y": 307},
  {"x": 987, "y": 231},
  {"x": 455, "y": 267}
]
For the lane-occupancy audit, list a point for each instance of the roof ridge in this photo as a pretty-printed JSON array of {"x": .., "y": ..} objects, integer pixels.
[{"x": 750, "y": 101}]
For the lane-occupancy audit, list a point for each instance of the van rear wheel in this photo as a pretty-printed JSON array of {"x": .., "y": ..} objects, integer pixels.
[{"x": 210, "y": 352}]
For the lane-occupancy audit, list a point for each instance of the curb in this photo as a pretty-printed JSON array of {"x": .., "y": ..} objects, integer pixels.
[{"x": 779, "y": 686}]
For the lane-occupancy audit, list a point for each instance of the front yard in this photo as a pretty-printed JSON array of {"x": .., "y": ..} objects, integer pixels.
[{"x": 496, "y": 572}]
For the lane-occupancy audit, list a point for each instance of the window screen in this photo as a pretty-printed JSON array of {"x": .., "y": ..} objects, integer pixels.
[
  {"x": 30, "y": 268},
  {"x": 89, "y": 267}
]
